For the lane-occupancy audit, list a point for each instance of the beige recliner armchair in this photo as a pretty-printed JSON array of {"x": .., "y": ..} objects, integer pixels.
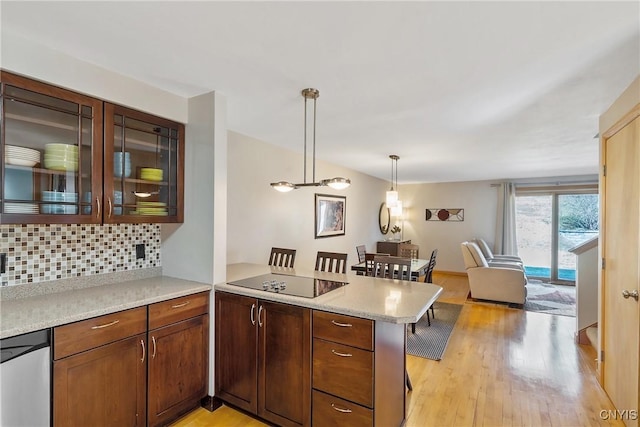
[
  {"x": 492, "y": 283},
  {"x": 507, "y": 261}
]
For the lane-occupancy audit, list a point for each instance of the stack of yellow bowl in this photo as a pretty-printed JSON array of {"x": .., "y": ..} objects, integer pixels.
[
  {"x": 61, "y": 157},
  {"x": 151, "y": 208},
  {"x": 151, "y": 174}
]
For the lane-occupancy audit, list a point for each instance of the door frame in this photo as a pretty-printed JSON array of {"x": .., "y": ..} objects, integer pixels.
[{"x": 619, "y": 125}]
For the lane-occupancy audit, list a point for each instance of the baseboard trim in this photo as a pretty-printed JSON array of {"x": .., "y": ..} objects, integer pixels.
[
  {"x": 452, "y": 273},
  {"x": 210, "y": 403}
]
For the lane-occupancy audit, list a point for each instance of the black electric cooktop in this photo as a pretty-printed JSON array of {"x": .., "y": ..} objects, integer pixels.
[{"x": 306, "y": 287}]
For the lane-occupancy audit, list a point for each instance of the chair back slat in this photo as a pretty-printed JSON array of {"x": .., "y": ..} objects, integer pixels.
[
  {"x": 332, "y": 262},
  {"x": 392, "y": 267},
  {"x": 430, "y": 267},
  {"x": 407, "y": 250},
  {"x": 281, "y": 257}
]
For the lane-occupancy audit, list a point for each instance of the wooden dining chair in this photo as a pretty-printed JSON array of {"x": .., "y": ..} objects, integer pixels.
[
  {"x": 332, "y": 262},
  {"x": 361, "y": 250},
  {"x": 281, "y": 257},
  {"x": 369, "y": 263},
  {"x": 392, "y": 267},
  {"x": 427, "y": 279},
  {"x": 407, "y": 250}
]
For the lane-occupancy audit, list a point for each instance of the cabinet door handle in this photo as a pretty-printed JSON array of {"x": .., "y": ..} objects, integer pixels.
[
  {"x": 259, "y": 316},
  {"x": 110, "y": 207},
  {"x": 341, "y": 354},
  {"x": 253, "y": 320},
  {"x": 180, "y": 305},
  {"x": 343, "y": 410},
  {"x": 153, "y": 340},
  {"x": 342, "y": 325},
  {"x": 98, "y": 209},
  {"x": 106, "y": 325},
  {"x": 143, "y": 351}
]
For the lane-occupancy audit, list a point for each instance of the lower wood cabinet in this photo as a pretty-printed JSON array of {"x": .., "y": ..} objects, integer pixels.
[
  {"x": 100, "y": 371},
  {"x": 108, "y": 370},
  {"x": 263, "y": 358},
  {"x": 358, "y": 371},
  {"x": 178, "y": 357}
]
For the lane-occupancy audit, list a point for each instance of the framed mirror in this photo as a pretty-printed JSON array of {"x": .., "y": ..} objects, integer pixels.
[{"x": 384, "y": 218}]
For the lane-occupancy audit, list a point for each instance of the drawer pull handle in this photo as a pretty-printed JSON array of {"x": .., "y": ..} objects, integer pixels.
[
  {"x": 341, "y": 354},
  {"x": 260, "y": 316},
  {"x": 344, "y": 411},
  {"x": 143, "y": 351},
  {"x": 106, "y": 325},
  {"x": 180, "y": 305},
  {"x": 342, "y": 325},
  {"x": 153, "y": 339}
]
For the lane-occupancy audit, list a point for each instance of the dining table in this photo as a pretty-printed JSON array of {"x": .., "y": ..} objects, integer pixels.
[{"x": 418, "y": 267}]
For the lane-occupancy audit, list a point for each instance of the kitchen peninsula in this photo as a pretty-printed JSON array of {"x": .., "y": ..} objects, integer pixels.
[{"x": 333, "y": 359}]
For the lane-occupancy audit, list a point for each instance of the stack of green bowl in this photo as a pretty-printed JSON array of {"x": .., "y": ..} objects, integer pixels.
[
  {"x": 151, "y": 174},
  {"x": 151, "y": 208},
  {"x": 61, "y": 157}
]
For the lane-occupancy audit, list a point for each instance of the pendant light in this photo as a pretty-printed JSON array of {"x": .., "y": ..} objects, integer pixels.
[
  {"x": 392, "y": 195},
  {"x": 337, "y": 183}
]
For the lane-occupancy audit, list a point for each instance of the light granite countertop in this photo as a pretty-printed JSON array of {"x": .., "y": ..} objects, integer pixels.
[
  {"x": 393, "y": 301},
  {"x": 22, "y": 315}
]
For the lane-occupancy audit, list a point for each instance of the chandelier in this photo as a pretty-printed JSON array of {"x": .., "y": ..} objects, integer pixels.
[{"x": 337, "y": 183}]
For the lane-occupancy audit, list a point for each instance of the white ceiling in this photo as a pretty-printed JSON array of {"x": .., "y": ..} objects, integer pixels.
[{"x": 459, "y": 90}]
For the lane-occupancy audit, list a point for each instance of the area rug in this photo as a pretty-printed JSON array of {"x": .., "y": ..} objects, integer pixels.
[
  {"x": 550, "y": 299},
  {"x": 430, "y": 342}
]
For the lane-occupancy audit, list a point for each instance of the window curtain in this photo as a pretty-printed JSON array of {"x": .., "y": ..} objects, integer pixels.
[{"x": 505, "y": 241}]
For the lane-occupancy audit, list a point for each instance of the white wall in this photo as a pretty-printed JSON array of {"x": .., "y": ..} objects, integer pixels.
[
  {"x": 587, "y": 289},
  {"x": 187, "y": 249},
  {"x": 479, "y": 201},
  {"x": 260, "y": 217},
  {"x": 25, "y": 57}
]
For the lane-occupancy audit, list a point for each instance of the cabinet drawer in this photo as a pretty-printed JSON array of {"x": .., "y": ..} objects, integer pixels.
[
  {"x": 343, "y": 371},
  {"x": 343, "y": 329},
  {"x": 178, "y": 309},
  {"x": 86, "y": 334},
  {"x": 330, "y": 411}
]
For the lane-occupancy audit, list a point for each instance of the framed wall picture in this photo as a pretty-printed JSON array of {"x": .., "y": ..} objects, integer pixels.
[{"x": 329, "y": 215}]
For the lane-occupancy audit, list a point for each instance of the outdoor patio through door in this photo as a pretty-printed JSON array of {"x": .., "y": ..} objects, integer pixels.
[{"x": 549, "y": 223}]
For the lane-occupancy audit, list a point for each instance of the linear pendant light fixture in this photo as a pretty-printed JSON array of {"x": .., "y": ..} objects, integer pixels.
[
  {"x": 392, "y": 194},
  {"x": 337, "y": 183}
]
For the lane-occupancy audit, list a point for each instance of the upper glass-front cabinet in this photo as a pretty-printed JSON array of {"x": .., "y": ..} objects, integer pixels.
[
  {"x": 51, "y": 157},
  {"x": 143, "y": 167},
  {"x": 69, "y": 158}
]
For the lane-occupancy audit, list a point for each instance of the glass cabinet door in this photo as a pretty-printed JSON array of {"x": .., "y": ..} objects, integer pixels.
[
  {"x": 143, "y": 167},
  {"x": 51, "y": 154}
]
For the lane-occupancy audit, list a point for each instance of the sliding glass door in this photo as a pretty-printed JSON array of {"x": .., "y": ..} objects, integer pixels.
[{"x": 549, "y": 224}]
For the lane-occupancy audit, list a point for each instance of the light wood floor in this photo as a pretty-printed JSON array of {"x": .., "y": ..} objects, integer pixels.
[{"x": 502, "y": 367}]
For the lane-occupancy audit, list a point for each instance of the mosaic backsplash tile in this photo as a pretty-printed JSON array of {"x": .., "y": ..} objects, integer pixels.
[{"x": 39, "y": 253}]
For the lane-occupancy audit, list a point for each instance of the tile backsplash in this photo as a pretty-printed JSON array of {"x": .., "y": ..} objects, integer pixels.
[{"x": 39, "y": 253}]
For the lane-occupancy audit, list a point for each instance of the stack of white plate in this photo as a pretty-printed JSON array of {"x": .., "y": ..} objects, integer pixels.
[
  {"x": 59, "y": 196},
  {"x": 61, "y": 157},
  {"x": 21, "y": 156},
  {"x": 21, "y": 208}
]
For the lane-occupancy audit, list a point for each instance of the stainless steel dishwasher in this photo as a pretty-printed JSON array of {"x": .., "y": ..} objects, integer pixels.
[{"x": 25, "y": 380}]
